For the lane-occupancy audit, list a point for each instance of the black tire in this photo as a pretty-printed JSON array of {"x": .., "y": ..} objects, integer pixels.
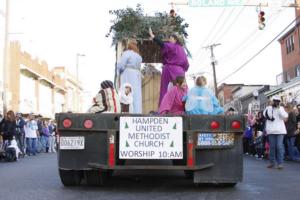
[
  {"x": 189, "y": 174},
  {"x": 70, "y": 177},
  {"x": 95, "y": 177},
  {"x": 227, "y": 184},
  {"x": 110, "y": 173}
]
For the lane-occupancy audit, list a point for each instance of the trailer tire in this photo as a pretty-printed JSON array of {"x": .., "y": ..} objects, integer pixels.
[
  {"x": 95, "y": 177},
  {"x": 70, "y": 177},
  {"x": 227, "y": 184},
  {"x": 189, "y": 174}
]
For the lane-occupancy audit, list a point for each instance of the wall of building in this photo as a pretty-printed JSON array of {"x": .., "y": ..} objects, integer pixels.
[
  {"x": 2, "y": 40},
  {"x": 292, "y": 59},
  {"x": 33, "y": 87},
  {"x": 225, "y": 94}
]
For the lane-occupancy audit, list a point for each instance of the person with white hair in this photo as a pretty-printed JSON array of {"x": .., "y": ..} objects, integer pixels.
[{"x": 275, "y": 128}]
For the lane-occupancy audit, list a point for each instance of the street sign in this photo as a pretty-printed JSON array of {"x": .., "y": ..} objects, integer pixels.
[
  {"x": 215, "y": 3},
  {"x": 151, "y": 138}
]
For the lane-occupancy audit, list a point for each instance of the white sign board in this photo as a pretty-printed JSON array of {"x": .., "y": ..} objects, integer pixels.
[{"x": 151, "y": 138}]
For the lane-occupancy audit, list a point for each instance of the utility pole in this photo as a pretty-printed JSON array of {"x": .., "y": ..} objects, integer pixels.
[
  {"x": 213, "y": 64},
  {"x": 77, "y": 80},
  {"x": 6, "y": 59}
]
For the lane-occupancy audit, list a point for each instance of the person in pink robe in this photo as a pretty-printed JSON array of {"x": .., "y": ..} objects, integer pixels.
[{"x": 172, "y": 103}]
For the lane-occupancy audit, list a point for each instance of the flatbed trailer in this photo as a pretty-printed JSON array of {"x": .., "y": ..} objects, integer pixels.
[{"x": 208, "y": 148}]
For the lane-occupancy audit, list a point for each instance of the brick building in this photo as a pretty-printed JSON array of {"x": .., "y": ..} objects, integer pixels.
[
  {"x": 290, "y": 52},
  {"x": 225, "y": 92}
]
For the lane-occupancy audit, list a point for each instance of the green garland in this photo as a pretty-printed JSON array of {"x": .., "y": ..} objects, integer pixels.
[{"x": 130, "y": 23}]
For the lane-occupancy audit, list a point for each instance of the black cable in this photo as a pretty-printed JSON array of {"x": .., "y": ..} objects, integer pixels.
[
  {"x": 211, "y": 30},
  {"x": 232, "y": 23},
  {"x": 268, "y": 44}
]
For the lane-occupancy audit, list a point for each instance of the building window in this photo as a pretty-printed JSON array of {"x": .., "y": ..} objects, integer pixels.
[{"x": 290, "y": 44}]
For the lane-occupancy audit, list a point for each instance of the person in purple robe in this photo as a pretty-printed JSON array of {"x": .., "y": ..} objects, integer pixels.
[
  {"x": 175, "y": 62},
  {"x": 172, "y": 103}
]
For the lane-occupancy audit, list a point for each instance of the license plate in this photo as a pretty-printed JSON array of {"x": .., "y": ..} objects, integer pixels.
[
  {"x": 71, "y": 143},
  {"x": 215, "y": 139}
]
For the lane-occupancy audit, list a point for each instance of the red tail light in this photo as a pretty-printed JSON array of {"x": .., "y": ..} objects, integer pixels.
[
  {"x": 88, "y": 124},
  {"x": 236, "y": 125},
  {"x": 190, "y": 160},
  {"x": 111, "y": 154},
  {"x": 214, "y": 125},
  {"x": 67, "y": 123}
]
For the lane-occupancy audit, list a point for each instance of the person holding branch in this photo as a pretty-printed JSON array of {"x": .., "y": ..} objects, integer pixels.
[{"x": 175, "y": 62}]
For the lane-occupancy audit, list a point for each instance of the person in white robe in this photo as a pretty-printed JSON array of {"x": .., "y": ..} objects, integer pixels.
[{"x": 129, "y": 69}]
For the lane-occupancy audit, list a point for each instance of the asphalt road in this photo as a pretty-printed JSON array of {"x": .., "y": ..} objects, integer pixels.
[{"x": 36, "y": 178}]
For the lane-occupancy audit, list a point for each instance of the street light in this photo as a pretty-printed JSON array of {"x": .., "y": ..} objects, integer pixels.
[{"x": 77, "y": 79}]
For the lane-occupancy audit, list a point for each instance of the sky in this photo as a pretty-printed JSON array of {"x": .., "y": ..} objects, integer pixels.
[{"x": 56, "y": 30}]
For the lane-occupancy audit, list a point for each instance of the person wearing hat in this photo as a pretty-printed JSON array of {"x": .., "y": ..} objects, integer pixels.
[
  {"x": 107, "y": 99},
  {"x": 275, "y": 128},
  {"x": 31, "y": 134}
]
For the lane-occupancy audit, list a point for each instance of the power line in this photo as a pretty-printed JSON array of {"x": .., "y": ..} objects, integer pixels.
[
  {"x": 220, "y": 29},
  {"x": 248, "y": 39},
  {"x": 232, "y": 23},
  {"x": 211, "y": 30},
  {"x": 268, "y": 44}
]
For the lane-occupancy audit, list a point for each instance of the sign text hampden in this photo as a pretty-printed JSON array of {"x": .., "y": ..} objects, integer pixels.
[{"x": 151, "y": 138}]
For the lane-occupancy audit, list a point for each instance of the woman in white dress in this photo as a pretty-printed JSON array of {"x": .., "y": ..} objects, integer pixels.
[{"x": 129, "y": 68}]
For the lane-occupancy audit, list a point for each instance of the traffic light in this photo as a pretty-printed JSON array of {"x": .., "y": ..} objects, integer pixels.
[{"x": 261, "y": 20}]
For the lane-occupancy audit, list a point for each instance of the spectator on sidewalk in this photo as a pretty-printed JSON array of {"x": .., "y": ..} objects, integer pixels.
[
  {"x": 52, "y": 137},
  {"x": 259, "y": 123},
  {"x": 20, "y": 122},
  {"x": 297, "y": 142},
  {"x": 275, "y": 129},
  {"x": 31, "y": 134},
  {"x": 8, "y": 126},
  {"x": 247, "y": 140},
  {"x": 291, "y": 127},
  {"x": 45, "y": 136}
]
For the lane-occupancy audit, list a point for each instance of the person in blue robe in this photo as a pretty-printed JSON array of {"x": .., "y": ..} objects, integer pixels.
[{"x": 201, "y": 100}]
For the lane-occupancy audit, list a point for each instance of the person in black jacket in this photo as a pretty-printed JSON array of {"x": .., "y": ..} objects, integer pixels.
[
  {"x": 291, "y": 127},
  {"x": 8, "y": 126},
  {"x": 297, "y": 142},
  {"x": 20, "y": 137}
]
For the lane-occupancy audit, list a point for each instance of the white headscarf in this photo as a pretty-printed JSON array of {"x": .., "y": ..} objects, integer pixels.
[{"x": 126, "y": 99}]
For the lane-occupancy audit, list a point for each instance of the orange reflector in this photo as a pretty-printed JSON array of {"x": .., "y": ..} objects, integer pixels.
[
  {"x": 236, "y": 125},
  {"x": 88, "y": 123},
  {"x": 190, "y": 160},
  {"x": 111, "y": 156},
  {"x": 67, "y": 123},
  {"x": 111, "y": 153}
]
